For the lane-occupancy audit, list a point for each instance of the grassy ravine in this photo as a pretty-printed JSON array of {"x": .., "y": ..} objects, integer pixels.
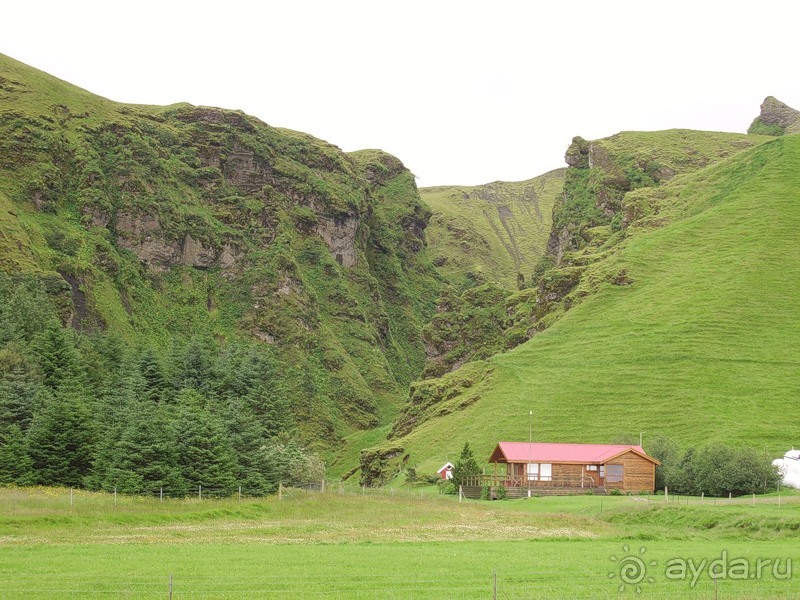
[
  {"x": 347, "y": 545},
  {"x": 492, "y": 231},
  {"x": 702, "y": 345}
]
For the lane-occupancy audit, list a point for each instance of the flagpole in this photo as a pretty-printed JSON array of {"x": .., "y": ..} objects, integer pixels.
[{"x": 530, "y": 451}]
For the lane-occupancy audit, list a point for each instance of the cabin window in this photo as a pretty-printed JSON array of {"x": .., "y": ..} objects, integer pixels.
[
  {"x": 540, "y": 472},
  {"x": 615, "y": 473},
  {"x": 591, "y": 467},
  {"x": 602, "y": 471},
  {"x": 545, "y": 472}
]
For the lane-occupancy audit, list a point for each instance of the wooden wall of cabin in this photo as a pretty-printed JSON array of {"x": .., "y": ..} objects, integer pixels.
[
  {"x": 569, "y": 473},
  {"x": 639, "y": 474}
]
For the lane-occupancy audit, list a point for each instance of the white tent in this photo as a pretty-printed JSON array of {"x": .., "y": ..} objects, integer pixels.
[{"x": 790, "y": 467}]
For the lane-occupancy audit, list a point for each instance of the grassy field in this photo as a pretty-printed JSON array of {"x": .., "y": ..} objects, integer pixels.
[
  {"x": 496, "y": 230},
  {"x": 702, "y": 346},
  {"x": 405, "y": 545}
]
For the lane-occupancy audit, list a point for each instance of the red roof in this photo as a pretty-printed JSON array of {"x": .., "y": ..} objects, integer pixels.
[{"x": 562, "y": 453}]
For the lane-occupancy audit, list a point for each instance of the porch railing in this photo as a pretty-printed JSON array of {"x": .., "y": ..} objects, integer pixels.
[{"x": 572, "y": 482}]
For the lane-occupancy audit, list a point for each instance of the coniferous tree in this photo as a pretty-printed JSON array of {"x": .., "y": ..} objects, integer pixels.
[
  {"x": 56, "y": 356},
  {"x": 15, "y": 464},
  {"x": 466, "y": 466},
  {"x": 205, "y": 456},
  {"x": 19, "y": 397},
  {"x": 247, "y": 439},
  {"x": 118, "y": 408},
  {"x": 153, "y": 374},
  {"x": 61, "y": 440},
  {"x": 145, "y": 457},
  {"x": 195, "y": 369}
]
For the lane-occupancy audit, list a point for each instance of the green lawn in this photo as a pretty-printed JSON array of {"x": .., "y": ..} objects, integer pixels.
[{"x": 345, "y": 545}]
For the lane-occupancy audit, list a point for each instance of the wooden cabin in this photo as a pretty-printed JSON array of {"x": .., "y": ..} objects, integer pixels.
[{"x": 526, "y": 469}]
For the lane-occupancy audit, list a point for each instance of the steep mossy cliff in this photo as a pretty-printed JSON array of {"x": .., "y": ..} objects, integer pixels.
[{"x": 167, "y": 223}]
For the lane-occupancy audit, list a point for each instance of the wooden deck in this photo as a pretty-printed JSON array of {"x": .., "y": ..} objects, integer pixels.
[{"x": 522, "y": 488}]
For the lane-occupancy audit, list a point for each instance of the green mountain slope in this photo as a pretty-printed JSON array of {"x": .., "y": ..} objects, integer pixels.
[
  {"x": 587, "y": 224},
  {"x": 701, "y": 341},
  {"x": 181, "y": 225},
  {"x": 491, "y": 232}
]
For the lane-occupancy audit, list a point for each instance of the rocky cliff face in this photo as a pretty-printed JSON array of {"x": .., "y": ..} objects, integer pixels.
[
  {"x": 776, "y": 118},
  {"x": 143, "y": 235}
]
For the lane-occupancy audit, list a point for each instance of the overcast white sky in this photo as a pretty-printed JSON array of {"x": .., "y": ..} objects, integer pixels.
[{"x": 461, "y": 92}]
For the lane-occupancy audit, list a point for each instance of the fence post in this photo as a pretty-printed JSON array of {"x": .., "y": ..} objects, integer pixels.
[
  {"x": 461, "y": 492},
  {"x": 71, "y": 496},
  {"x": 280, "y": 491},
  {"x": 161, "y": 494},
  {"x": 240, "y": 493},
  {"x": 716, "y": 591},
  {"x": 494, "y": 584},
  {"x": 666, "y": 493},
  {"x": 322, "y": 488},
  {"x": 199, "y": 492},
  {"x": 170, "y": 587},
  {"x": 115, "y": 495}
]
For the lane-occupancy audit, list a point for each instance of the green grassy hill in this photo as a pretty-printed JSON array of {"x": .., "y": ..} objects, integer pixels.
[
  {"x": 491, "y": 232},
  {"x": 183, "y": 227},
  {"x": 700, "y": 341}
]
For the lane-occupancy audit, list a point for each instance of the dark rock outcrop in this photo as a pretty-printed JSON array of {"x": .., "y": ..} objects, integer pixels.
[
  {"x": 143, "y": 235},
  {"x": 776, "y": 118},
  {"x": 577, "y": 154}
]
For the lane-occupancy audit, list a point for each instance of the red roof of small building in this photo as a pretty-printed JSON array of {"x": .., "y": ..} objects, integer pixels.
[{"x": 522, "y": 452}]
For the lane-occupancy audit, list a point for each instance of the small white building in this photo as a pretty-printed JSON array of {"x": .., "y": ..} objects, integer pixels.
[{"x": 790, "y": 468}]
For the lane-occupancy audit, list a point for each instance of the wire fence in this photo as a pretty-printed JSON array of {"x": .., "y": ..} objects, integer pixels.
[
  {"x": 114, "y": 496},
  {"x": 240, "y": 492}
]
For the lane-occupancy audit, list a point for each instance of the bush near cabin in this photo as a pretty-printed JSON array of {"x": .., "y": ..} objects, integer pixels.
[{"x": 714, "y": 470}]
